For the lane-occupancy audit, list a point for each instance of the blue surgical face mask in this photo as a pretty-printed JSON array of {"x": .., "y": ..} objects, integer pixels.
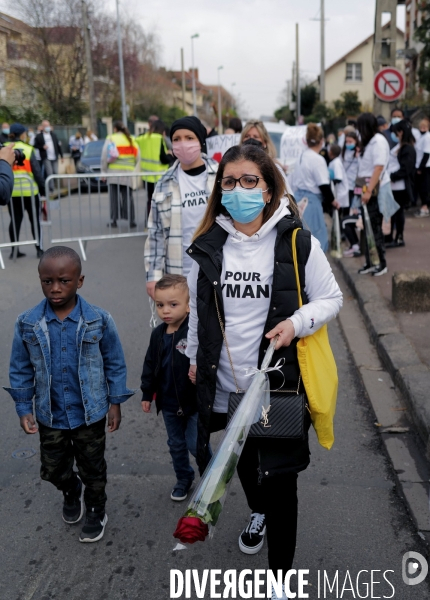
[
  {"x": 6, "y": 131},
  {"x": 47, "y": 129},
  {"x": 394, "y": 138},
  {"x": 243, "y": 205},
  {"x": 331, "y": 173},
  {"x": 395, "y": 120},
  {"x": 350, "y": 146}
]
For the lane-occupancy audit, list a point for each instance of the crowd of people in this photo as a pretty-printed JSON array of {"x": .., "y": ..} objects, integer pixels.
[{"x": 223, "y": 244}]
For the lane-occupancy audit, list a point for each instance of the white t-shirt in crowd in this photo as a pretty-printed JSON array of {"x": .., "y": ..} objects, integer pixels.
[
  {"x": 246, "y": 279},
  {"x": 50, "y": 151},
  {"x": 423, "y": 147},
  {"x": 376, "y": 154},
  {"x": 194, "y": 198},
  {"x": 393, "y": 166},
  {"x": 341, "y": 189},
  {"x": 350, "y": 163},
  {"x": 310, "y": 172}
]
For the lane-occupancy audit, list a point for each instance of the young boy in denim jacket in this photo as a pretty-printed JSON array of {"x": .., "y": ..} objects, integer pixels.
[
  {"x": 165, "y": 374},
  {"x": 66, "y": 354}
]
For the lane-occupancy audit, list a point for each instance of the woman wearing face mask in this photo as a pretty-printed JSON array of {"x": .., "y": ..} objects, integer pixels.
[
  {"x": 402, "y": 170},
  {"x": 423, "y": 168},
  {"x": 243, "y": 258},
  {"x": 178, "y": 203},
  {"x": 350, "y": 163},
  {"x": 311, "y": 180}
]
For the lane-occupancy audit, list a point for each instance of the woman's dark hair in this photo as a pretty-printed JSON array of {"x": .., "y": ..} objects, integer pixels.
[
  {"x": 236, "y": 124},
  {"x": 158, "y": 127},
  {"x": 350, "y": 134},
  {"x": 406, "y": 129},
  {"x": 119, "y": 126},
  {"x": 269, "y": 172},
  {"x": 367, "y": 127}
]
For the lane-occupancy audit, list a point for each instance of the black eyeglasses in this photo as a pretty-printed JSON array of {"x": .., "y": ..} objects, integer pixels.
[{"x": 248, "y": 182}]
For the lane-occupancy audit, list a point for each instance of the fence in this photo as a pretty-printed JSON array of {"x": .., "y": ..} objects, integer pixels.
[
  {"x": 12, "y": 218},
  {"x": 97, "y": 209}
]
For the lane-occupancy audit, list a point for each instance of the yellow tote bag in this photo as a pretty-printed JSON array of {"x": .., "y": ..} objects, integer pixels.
[{"x": 319, "y": 373}]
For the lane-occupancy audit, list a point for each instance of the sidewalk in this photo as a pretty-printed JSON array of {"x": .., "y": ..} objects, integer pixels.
[{"x": 402, "y": 340}]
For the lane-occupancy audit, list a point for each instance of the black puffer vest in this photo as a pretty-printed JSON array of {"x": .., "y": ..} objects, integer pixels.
[{"x": 207, "y": 251}]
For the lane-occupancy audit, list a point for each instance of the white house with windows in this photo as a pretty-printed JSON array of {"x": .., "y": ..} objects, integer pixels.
[{"x": 354, "y": 71}]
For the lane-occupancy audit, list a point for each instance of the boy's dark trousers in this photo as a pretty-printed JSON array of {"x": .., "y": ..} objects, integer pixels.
[{"x": 59, "y": 448}]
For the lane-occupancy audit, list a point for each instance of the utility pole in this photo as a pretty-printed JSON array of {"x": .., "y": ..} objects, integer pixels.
[
  {"x": 183, "y": 80},
  {"x": 384, "y": 51},
  {"x": 322, "y": 67},
  {"x": 196, "y": 35},
  {"x": 91, "y": 95},
  {"x": 219, "y": 102},
  {"x": 121, "y": 67},
  {"x": 298, "y": 99}
]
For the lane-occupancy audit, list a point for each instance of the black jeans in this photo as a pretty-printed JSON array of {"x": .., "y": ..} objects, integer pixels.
[
  {"x": 422, "y": 183},
  {"x": 398, "y": 219},
  {"x": 59, "y": 448},
  {"x": 376, "y": 223},
  {"x": 16, "y": 208},
  {"x": 121, "y": 199},
  {"x": 275, "y": 497},
  {"x": 150, "y": 186}
]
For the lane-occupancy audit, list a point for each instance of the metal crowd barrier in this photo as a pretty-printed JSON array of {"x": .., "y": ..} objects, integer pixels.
[
  {"x": 86, "y": 208},
  {"x": 13, "y": 219}
]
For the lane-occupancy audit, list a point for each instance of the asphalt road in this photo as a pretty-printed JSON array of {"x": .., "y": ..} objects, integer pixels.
[{"x": 351, "y": 517}]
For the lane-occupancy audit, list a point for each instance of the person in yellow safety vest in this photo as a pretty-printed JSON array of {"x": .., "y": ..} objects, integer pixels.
[
  {"x": 22, "y": 191},
  {"x": 154, "y": 155},
  {"x": 121, "y": 154}
]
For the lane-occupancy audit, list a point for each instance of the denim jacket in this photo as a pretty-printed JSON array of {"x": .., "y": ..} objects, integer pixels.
[{"x": 102, "y": 371}]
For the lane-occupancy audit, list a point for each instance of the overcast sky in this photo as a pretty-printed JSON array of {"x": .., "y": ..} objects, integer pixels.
[{"x": 254, "y": 40}]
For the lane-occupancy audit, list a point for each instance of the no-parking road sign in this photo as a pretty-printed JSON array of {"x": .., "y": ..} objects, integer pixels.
[{"x": 389, "y": 84}]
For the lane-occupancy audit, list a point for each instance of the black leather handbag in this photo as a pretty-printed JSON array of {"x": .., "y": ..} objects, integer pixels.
[{"x": 285, "y": 416}]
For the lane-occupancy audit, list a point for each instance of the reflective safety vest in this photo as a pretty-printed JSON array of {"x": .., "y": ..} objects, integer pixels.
[
  {"x": 126, "y": 160},
  {"x": 22, "y": 187},
  {"x": 150, "y": 145}
]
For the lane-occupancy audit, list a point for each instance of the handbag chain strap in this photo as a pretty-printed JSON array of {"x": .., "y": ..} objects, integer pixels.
[{"x": 238, "y": 390}]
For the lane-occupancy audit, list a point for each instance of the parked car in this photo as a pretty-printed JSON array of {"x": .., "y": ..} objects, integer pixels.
[{"x": 91, "y": 162}]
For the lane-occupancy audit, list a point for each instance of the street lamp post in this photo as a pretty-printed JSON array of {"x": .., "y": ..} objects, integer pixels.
[
  {"x": 121, "y": 67},
  {"x": 219, "y": 102},
  {"x": 196, "y": 35}
]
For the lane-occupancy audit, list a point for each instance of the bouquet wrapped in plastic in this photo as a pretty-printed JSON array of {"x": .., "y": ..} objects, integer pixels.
[
  {"x": 335, "y": 249},
  {"x": 370, "y": 238},
  {"x": 207, "y": 502}
]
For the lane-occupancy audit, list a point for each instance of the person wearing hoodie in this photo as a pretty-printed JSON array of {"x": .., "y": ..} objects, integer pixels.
[
  {"x": 244, "y": 269},
  {"x": 178, "y": 203}
]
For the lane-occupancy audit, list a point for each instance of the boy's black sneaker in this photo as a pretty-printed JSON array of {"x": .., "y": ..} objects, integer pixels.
[
  {"x": 73, "y": 507},
  {"x": 252, "y": 537},
  {"x": 94, "y": 527},
  {"x": 180, "y": 491}
]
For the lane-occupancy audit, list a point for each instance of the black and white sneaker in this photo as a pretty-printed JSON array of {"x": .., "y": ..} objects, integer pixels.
[
  {"x": 252, "y": 537},
  {"x": 366, "y": 269},
  {"x": 379, "y": 271},
  {"x": 94, "y": 527},
  {"x": 73, "y": 506}
]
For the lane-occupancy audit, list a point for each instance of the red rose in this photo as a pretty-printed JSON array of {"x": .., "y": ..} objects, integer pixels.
[{"x": 190, "y": 530}]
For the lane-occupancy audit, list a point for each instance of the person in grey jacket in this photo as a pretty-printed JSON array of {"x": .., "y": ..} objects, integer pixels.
[{"x": 7, "y": 158}]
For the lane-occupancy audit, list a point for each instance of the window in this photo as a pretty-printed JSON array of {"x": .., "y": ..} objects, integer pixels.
[
  {"x": 353, "y": 71},
  {"x": 385, "y": 48}
]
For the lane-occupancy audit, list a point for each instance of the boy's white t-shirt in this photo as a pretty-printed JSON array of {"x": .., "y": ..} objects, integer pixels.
[
  {"x": 376, "y": 154},
  {"x": 341, "y": 188},
  {"x": 423, "y": 147},
  {"x": 194, "y": 199},
  {"x": 394, "y": 166},
  {"x": 310, "y": 172},
  {"x": 350, "y": 164}
]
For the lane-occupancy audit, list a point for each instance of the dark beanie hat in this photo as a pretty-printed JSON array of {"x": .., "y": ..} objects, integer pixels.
[
  {"x": 193, "y": 124},
  {"x": 17, "y": 129}
]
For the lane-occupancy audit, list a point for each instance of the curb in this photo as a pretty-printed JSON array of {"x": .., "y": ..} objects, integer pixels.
[{"x": 396, "y": 353}]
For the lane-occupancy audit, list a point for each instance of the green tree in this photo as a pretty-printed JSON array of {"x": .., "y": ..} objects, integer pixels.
[
  {"x": 422, "y": 35},
  {"x": 351, "y": 105},
  {"x": 284, "y": 114},
  {"x": 308, "y": 99}
]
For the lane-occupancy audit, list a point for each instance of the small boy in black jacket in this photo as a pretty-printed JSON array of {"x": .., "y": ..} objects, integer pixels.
[{"x": 165, "y": 374}]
